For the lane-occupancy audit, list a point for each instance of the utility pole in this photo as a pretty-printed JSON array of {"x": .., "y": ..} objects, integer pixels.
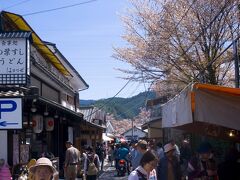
[
  {"x": 236, "y": 56},
  {"x": 1, "y": 22},
  {"x": 236, "y": 61},
  {"x": 132, "y": 129}
]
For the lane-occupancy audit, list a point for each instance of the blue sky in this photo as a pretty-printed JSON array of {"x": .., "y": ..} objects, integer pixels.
[{"x": 85, "y": 35}]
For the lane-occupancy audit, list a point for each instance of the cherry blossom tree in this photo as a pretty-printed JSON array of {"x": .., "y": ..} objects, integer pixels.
[{"x": 175, "y": 42}]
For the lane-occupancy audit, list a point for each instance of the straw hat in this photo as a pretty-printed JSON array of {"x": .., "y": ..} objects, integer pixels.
[
  {"x": 142, "y": 143},
  {"x": 42, "y": 162},
  {"x": 168, "y": 147}
]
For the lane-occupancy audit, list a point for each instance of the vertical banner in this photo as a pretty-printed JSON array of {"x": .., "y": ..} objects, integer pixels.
[{"x": 24, "y": 153}]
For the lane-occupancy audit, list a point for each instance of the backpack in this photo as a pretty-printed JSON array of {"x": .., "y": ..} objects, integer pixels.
[{"x": 91, "y": 168}]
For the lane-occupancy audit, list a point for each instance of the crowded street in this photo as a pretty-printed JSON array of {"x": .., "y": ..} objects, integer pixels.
[{"x": 120, "y": 90}]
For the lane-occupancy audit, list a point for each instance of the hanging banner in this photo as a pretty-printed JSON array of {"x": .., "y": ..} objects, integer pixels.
[
  {"x": 49, "y": 124},
  {"x": 37, "y": 123}
]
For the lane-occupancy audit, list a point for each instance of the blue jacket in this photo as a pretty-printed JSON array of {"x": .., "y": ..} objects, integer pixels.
[
  {"x": 122, "y": 153},
  {"x": 136, "y": 160}
]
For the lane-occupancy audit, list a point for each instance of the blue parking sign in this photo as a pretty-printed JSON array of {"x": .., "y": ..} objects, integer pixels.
[{"x": 10, "y": 113}]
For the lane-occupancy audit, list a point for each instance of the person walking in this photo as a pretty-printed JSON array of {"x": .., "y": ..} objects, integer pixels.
[
  {"x": 100, "y": 151},
  {"x": 115, "y": 155},
  {"x": 177, "y": 152},
  {"x": 169, "y": 166},
  {"x": 43, "y": 169},
  {"x": 133, "y": 154},
  {"x": 91, "y": 165},
  {"x": 160, "y": 152},
  {"x": 153, "y": 147},
  {"x": 146, "y": 169},
  {"x": 110, "y": 155},
  {"x": 141, "y": 149},
  {"x": 72, "y": 161},
  {"x": 203, "y": 165},
  {"x": 230, "y": 167}
]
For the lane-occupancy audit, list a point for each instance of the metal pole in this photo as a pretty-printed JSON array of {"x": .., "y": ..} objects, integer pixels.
[
  {"x": 236, "y": 62},
  {"x": 1, "y": 22},
  {"x": 132, "y": 129}
]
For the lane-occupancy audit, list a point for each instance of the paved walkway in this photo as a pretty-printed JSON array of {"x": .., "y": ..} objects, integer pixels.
[{"x": 108, "y": 173}]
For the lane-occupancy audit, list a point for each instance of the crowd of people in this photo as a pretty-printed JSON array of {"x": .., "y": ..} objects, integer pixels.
[
  {"x": 145, "y": 161},
  {"x": 150, "y": 160}
]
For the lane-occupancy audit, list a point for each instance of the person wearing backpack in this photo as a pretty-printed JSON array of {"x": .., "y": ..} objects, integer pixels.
[{"x": 91, "y": 165}]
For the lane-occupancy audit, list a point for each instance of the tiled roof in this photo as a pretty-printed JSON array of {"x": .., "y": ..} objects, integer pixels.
[
  {"x": 16, "y": 34},
  {"x": 11, "y": 93}
]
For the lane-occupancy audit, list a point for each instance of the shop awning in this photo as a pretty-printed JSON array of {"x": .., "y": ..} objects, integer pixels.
[
  {"x": 205, "y": 109},
  {"x": 20, "y": 24},
  {"x": 77, "y": 116}
]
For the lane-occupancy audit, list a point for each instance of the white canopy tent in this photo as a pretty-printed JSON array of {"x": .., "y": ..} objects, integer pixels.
[
  {"x": 106, "y": 138},
  {"x": 205, "y": 109}
]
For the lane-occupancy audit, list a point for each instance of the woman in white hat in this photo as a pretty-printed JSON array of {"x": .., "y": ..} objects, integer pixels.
[
  {"x": 168, "y": 166},
  {"x": 43, "y": 169}
]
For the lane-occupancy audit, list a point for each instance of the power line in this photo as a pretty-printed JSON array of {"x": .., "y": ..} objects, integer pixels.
[
  {"x": 145, "y": 98},
  {"x": 14, "y": 5},
  {"x": 109, "y": 100},
  {"x": 59, "y": 8}
]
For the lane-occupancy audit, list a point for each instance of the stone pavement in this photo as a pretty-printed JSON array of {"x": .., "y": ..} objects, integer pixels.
[{"x": 108, "y": 173}]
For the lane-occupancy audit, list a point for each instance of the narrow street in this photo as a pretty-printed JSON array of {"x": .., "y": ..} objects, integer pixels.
[{"x": 110, "y": 173}]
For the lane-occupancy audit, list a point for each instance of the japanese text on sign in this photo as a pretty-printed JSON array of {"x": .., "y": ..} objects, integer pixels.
[{"x": 13, "y": 56}]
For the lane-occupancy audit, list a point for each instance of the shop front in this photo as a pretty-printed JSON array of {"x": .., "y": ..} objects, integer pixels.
[
  {"x": 204, "y": 109},
  {"x": 45, "y": 126}
]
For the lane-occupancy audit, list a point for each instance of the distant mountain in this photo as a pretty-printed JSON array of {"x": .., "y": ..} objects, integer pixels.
[
  {"x": 122, "y": 108},
  {"x": 87, "y": 102}
]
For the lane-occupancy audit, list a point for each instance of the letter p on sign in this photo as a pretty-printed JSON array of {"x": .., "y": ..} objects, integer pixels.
[
  {"x": 7, "y": 106},
  {"x": 11, "y": 113}
]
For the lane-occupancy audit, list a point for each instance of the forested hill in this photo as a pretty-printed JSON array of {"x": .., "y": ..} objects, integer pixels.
[{"x": 121, "y": 108}]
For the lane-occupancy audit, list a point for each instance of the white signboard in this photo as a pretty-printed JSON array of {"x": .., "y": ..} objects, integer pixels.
[
  {"x": 14, "y": 65},
  {"x": 10, "y": 113}
]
